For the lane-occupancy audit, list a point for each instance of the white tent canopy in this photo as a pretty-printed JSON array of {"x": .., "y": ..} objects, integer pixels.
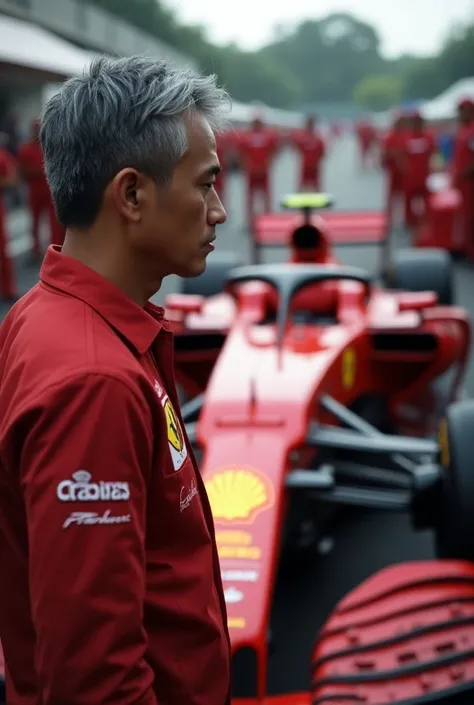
[
  {"x": 444, "y": 107},
  {"x": 243, "y": 114},
  {"x": 24, "y": 44}
]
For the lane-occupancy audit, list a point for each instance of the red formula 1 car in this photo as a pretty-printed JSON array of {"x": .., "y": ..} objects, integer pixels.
[{"x": 321, "y": 391}]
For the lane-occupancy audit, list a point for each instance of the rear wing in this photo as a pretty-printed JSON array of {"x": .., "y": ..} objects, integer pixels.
[{"x": 341, "y": 228}]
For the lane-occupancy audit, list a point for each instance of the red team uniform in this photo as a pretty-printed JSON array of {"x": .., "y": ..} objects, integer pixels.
[
  {"x": 392, "y": 149},
  {"x": 30, "y": 158},
  {"x": 419, "y": 146},
  {"x": 312, "y": 149},
  {"x": 367, "y": 136},
  {"x": 463, "y": 173},
  {"x": 258, "y": 147}
]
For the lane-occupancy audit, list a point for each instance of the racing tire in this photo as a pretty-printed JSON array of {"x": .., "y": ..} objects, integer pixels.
[
  {"x": 423, "y": 270},
  {"x": 454, "y": 530},
  {"x": 213, "y": 280}
]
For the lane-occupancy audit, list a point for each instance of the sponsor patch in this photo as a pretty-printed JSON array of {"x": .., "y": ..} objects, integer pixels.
[
  {"x": 232, "y": 595},
  {"x": 81, "y": 488},
  {"x": 240, "y": 576},
  {"x": 176, "y": 442},
  {"x": 237, "y": 545},
  {"x": 94, "y": 518},
  {"x": 186, "y": 496},
  {"x": 348, "y": 368},
  {"x": 238, "y": 495}
]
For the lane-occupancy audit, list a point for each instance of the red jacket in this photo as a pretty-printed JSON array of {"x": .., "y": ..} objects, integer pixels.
[
  {"x": 258, "y": 149},
  {"x": 311, "y": 147},
  {"x": 111, "y": 589},
  {"x": 418, "y": 149}
]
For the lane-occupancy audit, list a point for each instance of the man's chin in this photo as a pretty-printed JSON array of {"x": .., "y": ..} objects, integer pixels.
[{"x": 194, "y": 269}]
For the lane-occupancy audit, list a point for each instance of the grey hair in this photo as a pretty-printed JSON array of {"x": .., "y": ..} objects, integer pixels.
[{"x": 120, "y": 113}]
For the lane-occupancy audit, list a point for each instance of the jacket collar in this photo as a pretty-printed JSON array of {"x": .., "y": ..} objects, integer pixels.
[{"x": 139, "y": 326}]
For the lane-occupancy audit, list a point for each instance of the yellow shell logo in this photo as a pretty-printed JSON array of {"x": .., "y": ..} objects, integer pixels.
[{"x": 238, "y": 495}]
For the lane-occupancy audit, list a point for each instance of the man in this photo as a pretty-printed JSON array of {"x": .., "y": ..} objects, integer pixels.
[
  {"x": 114, "y": 592},
  {"x": 367, "y": 137},
  {"x": 419, "y": 147},
  {"x": 7, "y": 179},
  {"x": 392, "y": 150},
  {"x": 258, "y": 147},
  {"x": 310, "y": 145},
  {"x": 463, "y": 171},
  {"x": 30, "y": 158}
]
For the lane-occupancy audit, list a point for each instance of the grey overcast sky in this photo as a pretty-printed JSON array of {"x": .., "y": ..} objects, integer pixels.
[{"x": 415, "y": 26}]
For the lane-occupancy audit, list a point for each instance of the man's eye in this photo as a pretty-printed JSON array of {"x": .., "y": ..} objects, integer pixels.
[{"x": 209, "y": 185}]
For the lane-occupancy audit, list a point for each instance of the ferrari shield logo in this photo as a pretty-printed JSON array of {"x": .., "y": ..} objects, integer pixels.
[
  {"x": 348, "y": 368},
  {"x": 176, "y": 443},
  {"x": 238, "y": 495}
]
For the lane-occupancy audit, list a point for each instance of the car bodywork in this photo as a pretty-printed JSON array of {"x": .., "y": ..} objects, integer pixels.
[
  {"x": 279, "y": 366},
  {"x": 442, "y": 225}
]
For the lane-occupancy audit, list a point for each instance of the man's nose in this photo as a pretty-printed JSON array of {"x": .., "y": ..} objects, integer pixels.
[{"x": 216, "y": 214}]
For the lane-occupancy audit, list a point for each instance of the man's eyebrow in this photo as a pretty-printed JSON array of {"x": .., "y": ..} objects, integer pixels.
[{"x": 212, "y": 170}]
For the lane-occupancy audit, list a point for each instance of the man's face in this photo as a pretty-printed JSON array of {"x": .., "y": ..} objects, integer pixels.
[
  {"x": 176, "y": 227},
  {"x": 310, "y": 124}
]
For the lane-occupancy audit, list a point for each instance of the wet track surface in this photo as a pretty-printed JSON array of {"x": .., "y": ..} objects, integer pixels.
[{"x": 363, "y": 543}]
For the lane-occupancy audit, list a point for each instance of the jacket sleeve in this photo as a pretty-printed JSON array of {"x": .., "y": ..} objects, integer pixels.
[{"x": 84, "y": 468}]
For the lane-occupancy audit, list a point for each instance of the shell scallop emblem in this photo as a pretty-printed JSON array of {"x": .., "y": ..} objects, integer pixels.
[{"x": 238, "y": 495}]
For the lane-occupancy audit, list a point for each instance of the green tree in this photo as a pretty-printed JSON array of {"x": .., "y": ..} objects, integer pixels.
[
  {"x": 457, "y": 56},
  {"x": 249, "y": 76},
  {"x": 432, "y": 75},
  {"x": 329, "y": 56},
  {"x": 334, "y": 59},
  {"x": 425, "y": 80},
  {"x": 379, "y": 92}
]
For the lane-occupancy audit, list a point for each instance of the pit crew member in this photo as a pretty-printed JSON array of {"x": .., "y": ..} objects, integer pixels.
[
  {"x": 312, "y": 150},
  {"x": 114, "y": 592},
  {"x": 463, "y": 171},
  {"x": 419, "y": 147},
  {"x": 367, "y": 138},
  {"x": 258, "y": 146},
  {"x": 392, "y": 151}
]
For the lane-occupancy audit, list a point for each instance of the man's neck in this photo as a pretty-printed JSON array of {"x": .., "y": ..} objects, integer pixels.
[{"x": 108, "y": 262}]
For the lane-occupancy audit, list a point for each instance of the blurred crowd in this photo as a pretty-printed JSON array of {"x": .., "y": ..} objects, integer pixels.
[
  {"x": 409, "y": 153},
  {"x": 22, "y": 176}
]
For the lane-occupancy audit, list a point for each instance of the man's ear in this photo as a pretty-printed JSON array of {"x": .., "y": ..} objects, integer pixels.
[{"x": 128, "y": 190}]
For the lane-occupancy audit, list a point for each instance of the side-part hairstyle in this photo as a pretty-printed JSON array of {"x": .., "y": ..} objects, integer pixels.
[{"x": 120, "y": 113}]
